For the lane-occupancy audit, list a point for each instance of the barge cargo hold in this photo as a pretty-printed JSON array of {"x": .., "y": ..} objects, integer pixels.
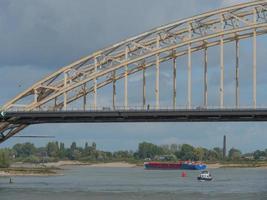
[{"x": 174, "y": 166}]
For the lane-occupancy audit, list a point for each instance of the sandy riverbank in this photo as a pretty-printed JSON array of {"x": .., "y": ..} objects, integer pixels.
[
  {"x": 245, "y": 165},
  {"x": 114, "y": 164},
  {"x": 214, "y": 166},
  {"x": 54, "y": 168},
  {"x": 60, "y": 164},
  {"x": 8, "y": 172},
  {"x": 11, "y": 174}
]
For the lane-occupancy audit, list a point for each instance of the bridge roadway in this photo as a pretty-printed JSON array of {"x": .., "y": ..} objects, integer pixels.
[{"x": 181, "y": 115}]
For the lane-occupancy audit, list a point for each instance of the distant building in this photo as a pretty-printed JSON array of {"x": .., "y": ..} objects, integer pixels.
[{"x": 248, "y": 157}]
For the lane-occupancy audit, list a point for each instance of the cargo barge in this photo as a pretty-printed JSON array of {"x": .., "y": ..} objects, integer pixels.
[{"x": 183, "y": 165}]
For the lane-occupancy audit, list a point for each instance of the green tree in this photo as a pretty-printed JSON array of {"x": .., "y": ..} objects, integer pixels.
[
  {"x": 174, "y": 148},
  {"x": 122, "y": 155},
  {"x": 24, "y": 150},
  {"x": 73, "y": 146},
  {"x": 166, "y": 149},
  {"x": 76, "y": 154},
  {"x": 211, "y": 155},
  {"x": 149, "y": 150},
  {"x": 61, "y": 146},
  {"x": 87, "y": 151},
  {"x": 257, "y": 154},
  {"x": 52, "y": 149},
  {"x": 219, "y": 152},
  {"x": 86, "y": 146},
  {"x": 62, "y": 150},
  {"x": 94, "y": 146},
  {"x": 4, "y": 158},
  {"x": 234, "y": 154},
  {"x": 108, "y": 155},
  {"x": 199, "y": 154},
  {"x": 187, "y": 152}
]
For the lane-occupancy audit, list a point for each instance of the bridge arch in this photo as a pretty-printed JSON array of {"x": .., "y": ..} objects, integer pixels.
[{"x": 149, "y": 49}]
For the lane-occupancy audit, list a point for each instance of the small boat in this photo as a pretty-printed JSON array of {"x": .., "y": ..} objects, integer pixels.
[{"x": 204, "y": 176}]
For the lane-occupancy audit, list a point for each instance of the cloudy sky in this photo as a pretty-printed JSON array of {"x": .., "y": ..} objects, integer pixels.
[{"x": 38, "y": 37}]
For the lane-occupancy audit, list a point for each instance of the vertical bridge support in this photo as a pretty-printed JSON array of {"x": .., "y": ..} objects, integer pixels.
[
  {"x": 222, "y": 66},
  {"x": 174, "y": 83},
  {"x": 65, "y": 93},
  {"x": 114, "y": 91},
  {"x": 144, "y": 86},
  {"x": 157, "y": 74},
  {"x": 126, "y": 80},
  {"x": 95, "y": 85},
  {"x": 189, "y": 70},
  {"x": 254, "y": 61},
  {"x": 84, "y": 96},
  {"x": 205, "y": 77},
  {"x": 237, "y": 101}
]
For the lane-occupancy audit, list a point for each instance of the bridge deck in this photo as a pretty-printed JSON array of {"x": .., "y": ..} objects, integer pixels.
[{"x": 194, "y": 115}]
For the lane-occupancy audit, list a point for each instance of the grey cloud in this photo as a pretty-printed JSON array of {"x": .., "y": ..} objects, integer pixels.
[{"x": 53, "y": 33}]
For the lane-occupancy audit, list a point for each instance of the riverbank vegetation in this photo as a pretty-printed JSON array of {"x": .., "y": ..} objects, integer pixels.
[
  {"x": 55, "y": 151},
  {"x": 5, "y": 158},
  {"x": 29, "y": 171}
]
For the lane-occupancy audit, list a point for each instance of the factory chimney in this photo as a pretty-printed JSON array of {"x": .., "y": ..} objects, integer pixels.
[{"x": 224, "y": 147}]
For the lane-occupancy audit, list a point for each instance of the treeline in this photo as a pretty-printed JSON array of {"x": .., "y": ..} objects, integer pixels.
[
  {"x": 189, "y": 152},
  {"x": 55, "y": 151}
]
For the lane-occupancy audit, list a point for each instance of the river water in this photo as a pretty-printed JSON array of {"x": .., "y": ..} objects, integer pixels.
[{"x": 81, "y": 182}]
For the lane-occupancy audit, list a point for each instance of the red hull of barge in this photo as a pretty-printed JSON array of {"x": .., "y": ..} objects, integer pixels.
[{"x": 159, "y": 165}]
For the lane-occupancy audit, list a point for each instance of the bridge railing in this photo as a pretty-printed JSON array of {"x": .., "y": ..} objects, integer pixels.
[{"x": 136, "y": 108}]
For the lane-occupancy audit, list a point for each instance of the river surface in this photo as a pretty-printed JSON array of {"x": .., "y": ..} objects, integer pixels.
[{"x": 81, "y": 182}]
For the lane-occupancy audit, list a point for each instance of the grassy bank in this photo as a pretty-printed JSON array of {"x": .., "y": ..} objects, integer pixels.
[{"x": 25, "y": 171}]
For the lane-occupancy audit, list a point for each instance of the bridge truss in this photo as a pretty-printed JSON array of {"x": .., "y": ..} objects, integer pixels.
[{"x": 150, "y": 49}]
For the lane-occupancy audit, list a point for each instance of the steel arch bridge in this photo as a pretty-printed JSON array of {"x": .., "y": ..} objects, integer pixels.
[{"x": 75, "y": 82}]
